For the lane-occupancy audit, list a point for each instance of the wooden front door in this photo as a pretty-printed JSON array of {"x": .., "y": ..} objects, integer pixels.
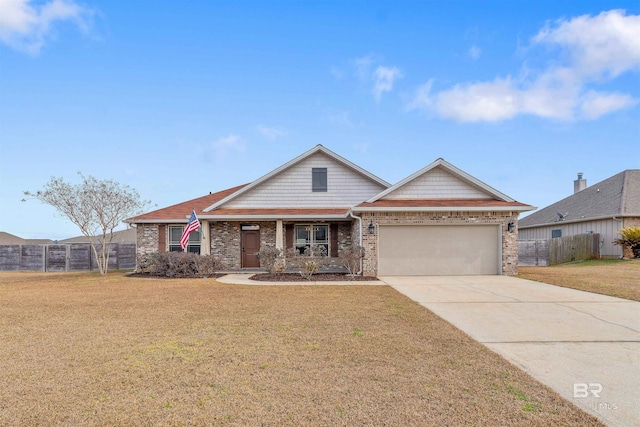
[{"x": 250, "y": 245}]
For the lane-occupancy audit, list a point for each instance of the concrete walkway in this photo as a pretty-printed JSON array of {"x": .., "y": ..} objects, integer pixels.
[{"x": 585, "y": 346}]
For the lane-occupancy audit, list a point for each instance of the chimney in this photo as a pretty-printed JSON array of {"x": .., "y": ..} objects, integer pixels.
[{"x": 579, "y": 184}]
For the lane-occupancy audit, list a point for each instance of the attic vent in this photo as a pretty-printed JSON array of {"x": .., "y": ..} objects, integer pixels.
[{"x": 319, "y": 180}]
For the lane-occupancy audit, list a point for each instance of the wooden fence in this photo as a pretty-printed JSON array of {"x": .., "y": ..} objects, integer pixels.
[
  {"x": 64, "y": 257},
  {"x": 533, "y": 252},
  {"x": 559, "y": 250}
]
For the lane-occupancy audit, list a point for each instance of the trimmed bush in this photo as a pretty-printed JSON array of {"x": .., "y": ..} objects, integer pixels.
[{"x": 178, "y": 265}]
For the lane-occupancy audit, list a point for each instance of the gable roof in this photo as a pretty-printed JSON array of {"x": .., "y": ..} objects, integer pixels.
[
  {"x": 11, "y": 239},
  {"x": 317, "y": 149},
  {"x": 458, "y": 173},
  {"x": 617, "y": 196},
  {"x": 122, "y": 236}
]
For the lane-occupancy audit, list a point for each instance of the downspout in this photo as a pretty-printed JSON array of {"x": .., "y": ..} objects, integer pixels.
[
  {"x": 621, "y": 227},
  {"x": 360, "y": 236}
]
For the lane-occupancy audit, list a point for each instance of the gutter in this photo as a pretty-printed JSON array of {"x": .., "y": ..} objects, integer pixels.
[
  {"x": 573, "y": 221},
  {"x": 359, "y": 234}
]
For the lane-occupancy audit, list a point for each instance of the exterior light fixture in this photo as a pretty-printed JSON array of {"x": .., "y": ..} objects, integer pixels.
[
  {"x": 372, "y": 228},
  {"x": 511, "y": 226}
]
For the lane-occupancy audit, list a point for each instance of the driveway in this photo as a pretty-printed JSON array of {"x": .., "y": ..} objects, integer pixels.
[{"x": 585, "y": 346}]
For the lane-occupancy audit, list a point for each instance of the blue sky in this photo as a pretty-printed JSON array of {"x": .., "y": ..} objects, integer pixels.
[{"x": 177, "y": 99}]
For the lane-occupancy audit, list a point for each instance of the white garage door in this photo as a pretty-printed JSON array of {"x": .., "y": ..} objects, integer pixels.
[{"x": 437, "y": 250}]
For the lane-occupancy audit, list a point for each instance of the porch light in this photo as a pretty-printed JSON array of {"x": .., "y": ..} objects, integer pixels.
[
  {"x": 511, "y": 226},
  {"x": 372, "y": 228}
]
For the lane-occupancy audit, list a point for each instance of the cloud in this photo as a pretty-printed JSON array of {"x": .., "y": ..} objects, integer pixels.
[
  {"x": 27, "y": 28},
  {"x": 384, "y": 77},
  {"x": 271, "y": 133},
  {"x": 594, "y": 50},
  {"x": 381, "y": 78},
  {"x": 341, "y": 119},
  {"x": 474, "y": 52},
  {"x": 226, "y": 145}
]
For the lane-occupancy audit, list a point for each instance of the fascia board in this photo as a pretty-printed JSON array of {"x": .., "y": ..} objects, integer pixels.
[
  {"x": 158, "y": 221},
  {"x": 316, "y": 149},
  {"x": 268, "y": 217},
  {"x": 446, "y": 209},
  {"x": 574, "y": 221}
]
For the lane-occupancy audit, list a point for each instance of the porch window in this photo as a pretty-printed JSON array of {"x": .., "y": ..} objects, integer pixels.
[
  {"x": 175, "y": 232},
  {"x": 312, "y": 236},
  {"x": 319, "y": 180}
]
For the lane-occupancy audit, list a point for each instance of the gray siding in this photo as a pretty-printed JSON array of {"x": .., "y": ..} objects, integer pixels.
[
  {"x": 292, "y": 187},
  {"x": 437, "y": 183},
  {"x": 605, "y": 227}
]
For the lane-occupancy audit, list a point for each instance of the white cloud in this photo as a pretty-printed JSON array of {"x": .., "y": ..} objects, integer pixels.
[
  {"x": 342, "y": 119},
  {"x": 226, "y": 145},
  {"x": 594, "y": 50},
  {"x": 271, "y": 133},
  {"x": 27, "y": 28},
  {"x": 384, "y": 77},
  {"x": 363, "y": 67},
  {"x": 474, "y": 52}
]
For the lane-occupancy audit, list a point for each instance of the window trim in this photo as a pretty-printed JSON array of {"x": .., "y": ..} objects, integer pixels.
[
  {"x": 195, "y": 240},
  {"x": 312, "y": 237}
]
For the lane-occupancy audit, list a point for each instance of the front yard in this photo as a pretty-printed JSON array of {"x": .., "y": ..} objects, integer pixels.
[
  {"x": 614, "y": 277},
  {"x": 81, "y": 349}
]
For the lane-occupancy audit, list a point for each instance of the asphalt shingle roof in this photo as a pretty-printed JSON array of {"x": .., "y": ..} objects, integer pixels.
[{"x": 618, "y": 195}]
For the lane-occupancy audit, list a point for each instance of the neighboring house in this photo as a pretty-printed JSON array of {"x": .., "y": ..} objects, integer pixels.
[
  {"x": 122, "y": 236},
  {"x": 438, "y": 221},
  {"x": 10, "y": 239},
  {"x": 603, "y": 208}
]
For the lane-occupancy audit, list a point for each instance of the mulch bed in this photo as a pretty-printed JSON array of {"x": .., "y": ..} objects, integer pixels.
[{"x": 322, "y": 277}]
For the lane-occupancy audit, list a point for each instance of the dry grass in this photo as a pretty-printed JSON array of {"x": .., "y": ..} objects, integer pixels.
[
  {"x": 617, "y": 278},
  {"x": 80, "y": 349}
]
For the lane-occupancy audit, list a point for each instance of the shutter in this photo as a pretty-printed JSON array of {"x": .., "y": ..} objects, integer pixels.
[
  {"x": 333, "y": 245},
  {"x": 162, "y": 238},
  {"x": 289, "y": 236}
]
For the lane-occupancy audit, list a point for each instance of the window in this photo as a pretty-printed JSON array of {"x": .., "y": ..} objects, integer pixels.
[
  {"x": 312, "y": 236},
  {"x": 556, "y": 233},
  {"x": 319, "y": 180},
  {"x": 175, "y": 232}
]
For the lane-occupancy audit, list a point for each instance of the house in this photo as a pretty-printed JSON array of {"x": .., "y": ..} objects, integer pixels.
[
  {"x": 11, "y": 239},
  {"x": 438, "y": 221},
  {"x": 123, "y": 236},
  {"x": 603, "y": 208}
]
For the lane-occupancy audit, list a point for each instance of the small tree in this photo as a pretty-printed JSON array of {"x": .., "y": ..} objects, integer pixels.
[
  {"x": 630, "y": 237},
  {"x": 351, "y": 257},
  {"x": 97, "y": 207}
]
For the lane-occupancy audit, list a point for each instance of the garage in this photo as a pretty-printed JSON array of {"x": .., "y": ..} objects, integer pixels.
[{"x": 437, "y": 250}]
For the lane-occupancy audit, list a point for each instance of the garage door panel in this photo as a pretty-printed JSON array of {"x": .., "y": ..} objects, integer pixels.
[{"x": 438, "y": 250}]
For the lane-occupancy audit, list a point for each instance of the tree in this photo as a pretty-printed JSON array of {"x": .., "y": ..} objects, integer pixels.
[{"x": 97, "y": 207}]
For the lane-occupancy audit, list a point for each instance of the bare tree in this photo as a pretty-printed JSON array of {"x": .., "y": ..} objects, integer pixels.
[{"x": 97, "y": 207}]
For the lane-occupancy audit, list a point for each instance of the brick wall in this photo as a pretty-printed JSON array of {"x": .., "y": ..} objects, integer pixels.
[
  {"x": 146, "y": 239},
  {"x": 509, "y": 240}
]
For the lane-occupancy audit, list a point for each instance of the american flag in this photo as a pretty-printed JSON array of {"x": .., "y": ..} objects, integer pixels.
[{"x": 192, "y": 226}]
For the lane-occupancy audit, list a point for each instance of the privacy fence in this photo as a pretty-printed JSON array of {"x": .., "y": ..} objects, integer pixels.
[
  {"x": 67, "y": 257},
  {"x": 559, "y": 250}
]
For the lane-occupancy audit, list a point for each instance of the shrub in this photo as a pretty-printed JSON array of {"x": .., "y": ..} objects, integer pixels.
[
  {"x": 178, "y": 264},
  {"x": 311, "y": 259},
  {"x": 271, "y": 259},
  {"x": 630, "y": 237},
  {"x": 351, "y": 257}
]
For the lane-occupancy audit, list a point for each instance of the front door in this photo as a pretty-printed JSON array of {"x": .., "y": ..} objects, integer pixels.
[{"x": 250, "y": 245}]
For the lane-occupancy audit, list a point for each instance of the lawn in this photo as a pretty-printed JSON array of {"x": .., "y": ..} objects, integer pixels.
[
  {"x": 79, "y": 349},
  {"x": 614, "y": 277}
]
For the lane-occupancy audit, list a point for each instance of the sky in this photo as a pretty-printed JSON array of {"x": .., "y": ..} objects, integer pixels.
[{"x": 179, "y": 99}]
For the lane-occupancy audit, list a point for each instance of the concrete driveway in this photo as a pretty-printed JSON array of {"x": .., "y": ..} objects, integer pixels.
[{"x": 584, "y": 346}]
